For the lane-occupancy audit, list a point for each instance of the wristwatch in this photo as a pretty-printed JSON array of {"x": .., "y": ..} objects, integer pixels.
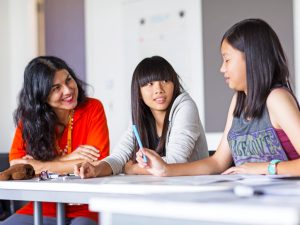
[{"x": 272, "y": 168}]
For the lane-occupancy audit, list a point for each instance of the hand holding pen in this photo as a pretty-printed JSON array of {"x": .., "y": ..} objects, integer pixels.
[
  {"x": 155, "y": 164},
  {"x": 137, "y": 136}
]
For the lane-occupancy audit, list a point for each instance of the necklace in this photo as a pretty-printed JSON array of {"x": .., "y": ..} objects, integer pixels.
[{"x": 68, "y": 147}]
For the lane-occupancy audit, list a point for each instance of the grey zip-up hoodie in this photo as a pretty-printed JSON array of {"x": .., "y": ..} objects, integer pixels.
[{"x": 185, "y": 141}]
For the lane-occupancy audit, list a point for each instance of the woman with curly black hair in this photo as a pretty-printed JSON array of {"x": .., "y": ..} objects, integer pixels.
[{"x": 58, "y": 126}]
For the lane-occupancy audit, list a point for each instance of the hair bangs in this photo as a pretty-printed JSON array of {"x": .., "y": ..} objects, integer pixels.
[{"x": 152, "y": 73}]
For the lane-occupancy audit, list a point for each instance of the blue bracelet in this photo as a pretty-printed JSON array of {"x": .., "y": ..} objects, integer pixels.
[{"x": 272, "y": 168}]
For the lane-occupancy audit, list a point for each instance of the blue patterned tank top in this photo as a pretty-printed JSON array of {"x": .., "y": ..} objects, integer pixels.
[{"x": 254, "y": 140}]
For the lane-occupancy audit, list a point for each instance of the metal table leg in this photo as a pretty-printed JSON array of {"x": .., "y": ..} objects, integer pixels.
[
  {"x": 38, "y": 216},
  {"x": 60, "y": 213},
  {"x": 105, "y": 218}
]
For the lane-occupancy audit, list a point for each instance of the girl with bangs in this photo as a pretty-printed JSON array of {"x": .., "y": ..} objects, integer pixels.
[{"x": 167, "y": 120}]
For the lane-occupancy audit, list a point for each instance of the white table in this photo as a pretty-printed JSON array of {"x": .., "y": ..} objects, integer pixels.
[
  {"x": 80, "y": 191},
  {"x": 280, "y": 204}
]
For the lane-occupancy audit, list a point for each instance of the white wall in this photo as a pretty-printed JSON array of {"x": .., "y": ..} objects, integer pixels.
[
  {"x": 5, "y": 81},
  {"x": 18, "y": 44},
  {"x": 104, "y": 62}
]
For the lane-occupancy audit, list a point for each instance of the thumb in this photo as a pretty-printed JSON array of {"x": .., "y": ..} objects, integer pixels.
[
  {"x": 77, "y": 168},
  {"x": 150, "y": 153}
]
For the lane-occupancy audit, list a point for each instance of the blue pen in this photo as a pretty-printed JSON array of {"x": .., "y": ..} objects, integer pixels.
[{"x": 136, "y": 133}]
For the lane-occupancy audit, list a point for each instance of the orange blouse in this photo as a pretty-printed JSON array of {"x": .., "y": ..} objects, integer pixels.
[{"x": 89, "y": 128}]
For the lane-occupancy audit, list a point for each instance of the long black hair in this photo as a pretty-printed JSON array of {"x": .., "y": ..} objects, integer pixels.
[
  {"x": 33, "y": 115},
  {"x": 266, "y": 64},
  {"x": 151, "y": 69}
]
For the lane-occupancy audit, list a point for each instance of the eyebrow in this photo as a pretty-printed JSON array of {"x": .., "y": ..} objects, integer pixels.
[{"x": 224, "y": 54}]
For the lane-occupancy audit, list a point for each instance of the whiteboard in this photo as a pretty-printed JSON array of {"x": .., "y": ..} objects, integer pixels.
[{"x": 116, "y": 41}]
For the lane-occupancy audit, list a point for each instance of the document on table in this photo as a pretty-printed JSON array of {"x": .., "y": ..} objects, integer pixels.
[{"x": 146, "y": 184}]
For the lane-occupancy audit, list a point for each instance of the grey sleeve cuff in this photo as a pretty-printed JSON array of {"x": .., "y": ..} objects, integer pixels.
[{"x": 115, "y": 165}]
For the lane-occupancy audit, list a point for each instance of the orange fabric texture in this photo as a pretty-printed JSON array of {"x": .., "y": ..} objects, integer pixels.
[{"x": 89, "y": 128}]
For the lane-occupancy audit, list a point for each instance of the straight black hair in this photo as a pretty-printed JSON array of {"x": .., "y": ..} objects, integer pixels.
[
  {"x": 266, "y": 64},
  {"x": 148, "y": 70},
  {"x": 33, "y": 115}
]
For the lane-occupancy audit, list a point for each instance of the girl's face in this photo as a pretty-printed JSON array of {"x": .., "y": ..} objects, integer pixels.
[
  {"x": 64, "y": 92},
  {"x": 234, "y": 67},
  {"x": 157, "y": 95}
]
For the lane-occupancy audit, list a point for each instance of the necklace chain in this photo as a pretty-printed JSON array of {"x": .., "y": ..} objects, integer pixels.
[{"x": 68, "y": 148}]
